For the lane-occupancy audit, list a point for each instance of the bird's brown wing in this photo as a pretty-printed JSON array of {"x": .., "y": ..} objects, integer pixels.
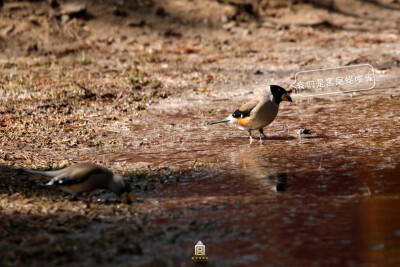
[
  {"x": 245, "y": 110},
  {"x": 79, "y": 173},
  {"x": 248, "y": 105},
  {"x": 65, "y": 180},
  {"x": 86, "y": 169}
]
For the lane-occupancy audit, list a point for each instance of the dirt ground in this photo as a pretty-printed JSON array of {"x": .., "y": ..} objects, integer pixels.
[{"x": 131, "y": 85}]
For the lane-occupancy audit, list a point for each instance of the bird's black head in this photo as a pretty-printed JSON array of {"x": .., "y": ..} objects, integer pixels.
[{"x": 280, "y": 94}]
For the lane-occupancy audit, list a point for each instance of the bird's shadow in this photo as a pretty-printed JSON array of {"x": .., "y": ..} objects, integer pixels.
[
  {"x": 283, "y": 138},
  {"x": 274, "y": 137}
]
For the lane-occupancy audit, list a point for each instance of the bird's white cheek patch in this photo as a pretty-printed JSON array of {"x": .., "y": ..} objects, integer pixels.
[
  {"x": 231, "y": 119},
  {"x": 331, "y": 81}
]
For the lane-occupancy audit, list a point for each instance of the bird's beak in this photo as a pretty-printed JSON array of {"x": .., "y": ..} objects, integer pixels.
[{"x": 286, "y": 97}]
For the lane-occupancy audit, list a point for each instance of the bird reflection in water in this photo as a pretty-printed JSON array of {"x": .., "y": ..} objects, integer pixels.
[{"x": 265, "y": 171}]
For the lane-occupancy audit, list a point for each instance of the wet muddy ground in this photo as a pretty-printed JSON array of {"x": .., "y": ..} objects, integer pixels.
[{"x": 321, "y": 189}]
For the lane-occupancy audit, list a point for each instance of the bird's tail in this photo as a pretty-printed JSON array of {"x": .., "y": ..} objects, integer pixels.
[
  {"x": 47, "y": 173},
  {"x": 221, "y": 121}
]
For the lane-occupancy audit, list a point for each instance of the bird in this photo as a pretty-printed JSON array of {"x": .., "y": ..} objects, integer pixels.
[
  {"x": 84, "y": 177},
  {"x": 257, "y": 114}
]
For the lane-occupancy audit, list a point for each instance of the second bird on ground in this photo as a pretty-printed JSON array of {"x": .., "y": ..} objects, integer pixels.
[
  {"x": 257, "y": 114},
  {"x": 84, "y": 177}
]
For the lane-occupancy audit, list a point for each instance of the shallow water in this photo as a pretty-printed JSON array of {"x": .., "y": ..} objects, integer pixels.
[{"x": 328, "y": 198}]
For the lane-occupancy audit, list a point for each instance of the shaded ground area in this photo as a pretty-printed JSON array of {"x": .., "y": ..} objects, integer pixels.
[{"x": 131, "y": 86}]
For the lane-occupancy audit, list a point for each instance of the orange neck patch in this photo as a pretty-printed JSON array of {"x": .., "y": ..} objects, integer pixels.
[{"x": 243, "y": 121}]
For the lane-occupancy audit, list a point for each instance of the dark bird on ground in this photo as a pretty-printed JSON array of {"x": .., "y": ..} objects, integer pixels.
[{"x": 84, "y": 177}]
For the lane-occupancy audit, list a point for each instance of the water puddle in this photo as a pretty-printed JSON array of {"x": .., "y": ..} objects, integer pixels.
[
  {"x": 261, "y": 209},
  {"x": 283, "y": 200}
]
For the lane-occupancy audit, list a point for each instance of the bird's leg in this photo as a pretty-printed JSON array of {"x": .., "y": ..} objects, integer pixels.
[
  {"x": 249, "y": 131},
  {"x": 262, "y": 135}
]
